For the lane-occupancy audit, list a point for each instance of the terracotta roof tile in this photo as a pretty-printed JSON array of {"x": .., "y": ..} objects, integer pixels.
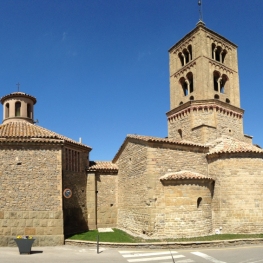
[
  {"x": 187, "y": 175},
  {"x": 25, "y": 131},
  {"x": 102, "y": 166},
  {"x": 226, "y": 144}
]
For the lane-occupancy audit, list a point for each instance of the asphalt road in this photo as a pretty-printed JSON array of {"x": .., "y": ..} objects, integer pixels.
[{"x": 59, "y": 254}]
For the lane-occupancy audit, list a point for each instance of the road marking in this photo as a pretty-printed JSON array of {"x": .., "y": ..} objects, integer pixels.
[
  {"x": 202, "y": 255},
  {"x": 130, "y": 255},
  {"x": 154, "y": 259},
  {"x": 184, "y": 261}
]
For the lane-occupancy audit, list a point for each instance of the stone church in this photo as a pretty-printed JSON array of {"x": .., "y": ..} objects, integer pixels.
[{"x": 206, "y": 176}]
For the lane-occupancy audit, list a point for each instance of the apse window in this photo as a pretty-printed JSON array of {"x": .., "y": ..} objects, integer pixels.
[{"x": 199, "y": 201}]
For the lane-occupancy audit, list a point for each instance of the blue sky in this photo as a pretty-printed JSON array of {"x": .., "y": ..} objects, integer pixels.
[{"x": 99, "y": 68}]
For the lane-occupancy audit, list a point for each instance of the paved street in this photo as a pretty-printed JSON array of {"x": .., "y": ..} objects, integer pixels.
[{"x": 246, "y": 254}]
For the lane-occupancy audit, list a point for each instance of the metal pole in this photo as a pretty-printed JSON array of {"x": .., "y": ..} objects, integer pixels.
[{"x": 98, "y": 240}]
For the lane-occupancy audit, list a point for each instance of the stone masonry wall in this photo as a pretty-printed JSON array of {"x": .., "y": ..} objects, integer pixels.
[
  {"x": 191, "y": 121},
  {"x": 168, "y": 159},
  {"x": 142, "y": 196},
  {"x": 106, "y": 200},
  {"x": 238, "y": 196},
  {"x": 75, "y": 178},
  {"x": 31, "y": 196},
  {"x": 186, "y": 209},
  {"x": 133, "y": 209}
]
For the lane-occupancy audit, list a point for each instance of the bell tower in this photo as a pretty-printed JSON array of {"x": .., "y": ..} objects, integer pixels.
[{"x": 204, "y": 88}]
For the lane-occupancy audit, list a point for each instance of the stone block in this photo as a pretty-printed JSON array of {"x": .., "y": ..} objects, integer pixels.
[
  {"x": 3, "y": 241},
  {"x": 39, "y": 230},
  {"x": 29, "y": 222},
  {"x": 6, "y": 214},
  {"x": 25, "y": 215},
  {"x": 1, "y": 214},
  {"x": 29, "y": 231},
  {"x": 17, "y": 231}
]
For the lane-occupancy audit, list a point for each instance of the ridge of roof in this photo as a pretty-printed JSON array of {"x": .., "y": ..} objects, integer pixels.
[
  {"x": 23, "y": 130},
  {"x": 227, "y": 144},
  {"x": 102, "y": 166},
  {"x": 165, "y": 140},
  {"x": 188, "y": 175}
]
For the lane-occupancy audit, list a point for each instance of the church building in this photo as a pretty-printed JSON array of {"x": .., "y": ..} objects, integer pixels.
[{"x": 205, "y": 177}]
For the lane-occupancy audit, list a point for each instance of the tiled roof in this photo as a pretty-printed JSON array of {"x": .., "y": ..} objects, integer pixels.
[
  {"x": 226, "y": 144},
  {"x": 20, "y": 94},
  {"x": 18, "y": 131},
  {"x": 102, "y": 166},
  {"x": 151, "y": 139},
  {"x": 187, "y": 175},
  {"x": 164, "y": 140}
]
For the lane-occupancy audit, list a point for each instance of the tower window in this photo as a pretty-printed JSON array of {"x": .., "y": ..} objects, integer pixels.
[
  {"x": 227, "y": 100},
  {"x": 180, "y": 133},
  {"x": 17, "y": 109},
  {"x": 7, "y": 110},
  {"x": 216, "y": 97},
  {"x": 216, "y": 79},
  {"x": 187, "y": 84},
  {"x": 192, "y": 98},
  {"x": 181, "y": 58},
  {"x": 29, "y": 111},
  {"x": 218, "y": 53},
  {"x": 223, "y": 82},
  {"x": 186, "y": 55}
]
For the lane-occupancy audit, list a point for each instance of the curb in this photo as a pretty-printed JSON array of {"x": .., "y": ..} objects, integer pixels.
[{"x": 160, "y": 245}]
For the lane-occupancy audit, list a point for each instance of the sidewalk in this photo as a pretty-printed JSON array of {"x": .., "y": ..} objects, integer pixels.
[{"x": 60, "y": 254}]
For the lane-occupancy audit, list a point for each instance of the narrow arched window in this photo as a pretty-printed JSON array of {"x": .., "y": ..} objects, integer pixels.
[
  {"x": 186, "y": 55},
  {"x": 216, "y": 78},
  {"x": 181, "y": 59},
  {"x": 7, "y": 110},
  {"x": 180, "y": 133},
  {"x": 191, "y": 81},
  {"x": 223, "y": 83},
  {"x": 184, "y": 86},
  {"x": 190, "y": 52},
  {"x": 17, "y": 109},
  {"x": 218, "y": 54},
  {"x": 199, "y": 201},
  {"x": 29, "y": 112},
  {"x": 213, "y": 51}
]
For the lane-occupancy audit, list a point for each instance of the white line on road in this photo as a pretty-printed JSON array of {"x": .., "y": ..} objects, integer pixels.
[
  {"x": 133, "y": 251},
  {"x": 202, "y": 255},
  {"x": 184, "y": 261},
  {"x": 154, "y": 259},
  {"x": 133, "y": 255}
]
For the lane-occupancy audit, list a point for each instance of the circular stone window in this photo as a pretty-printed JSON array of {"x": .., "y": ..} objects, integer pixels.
[{"x": 67, "y": 193}]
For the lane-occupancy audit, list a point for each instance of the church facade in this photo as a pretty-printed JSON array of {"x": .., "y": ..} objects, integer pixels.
[{"x": 205, "y": 177}]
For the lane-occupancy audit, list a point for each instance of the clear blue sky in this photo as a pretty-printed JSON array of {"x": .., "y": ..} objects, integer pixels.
[{"x": 99, "y": 68}]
